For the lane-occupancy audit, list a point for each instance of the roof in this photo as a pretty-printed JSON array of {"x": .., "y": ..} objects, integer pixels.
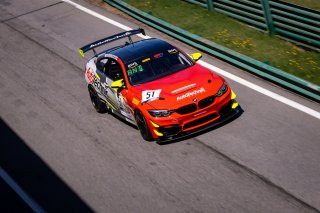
[{"x": 140, "y": 48}]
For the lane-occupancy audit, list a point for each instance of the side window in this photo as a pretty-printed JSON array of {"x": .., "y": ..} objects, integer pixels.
[
  {"x": 101, "y": 64},
  {"x": 113, "y": 70}
]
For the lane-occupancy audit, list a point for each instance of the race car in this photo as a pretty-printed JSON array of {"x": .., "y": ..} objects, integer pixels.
[{"x": 157, "y": 87}]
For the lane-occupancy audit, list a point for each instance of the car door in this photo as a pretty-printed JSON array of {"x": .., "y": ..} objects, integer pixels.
[
  {"x": 117, "y": 96},
  {"x": 101, "y": 75}
]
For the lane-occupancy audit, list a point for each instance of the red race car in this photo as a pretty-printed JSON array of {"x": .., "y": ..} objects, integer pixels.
[{"x": 157, "y": 87}]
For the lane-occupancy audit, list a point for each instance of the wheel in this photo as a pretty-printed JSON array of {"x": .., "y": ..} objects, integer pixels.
[
  {"x": 143, "y": 126},
  {"x": 97, "y": 103}
]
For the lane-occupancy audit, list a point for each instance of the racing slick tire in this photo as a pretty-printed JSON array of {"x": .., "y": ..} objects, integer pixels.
[
  {"x": 143, "y": 126},
  {"x": 96, "y": 101}
]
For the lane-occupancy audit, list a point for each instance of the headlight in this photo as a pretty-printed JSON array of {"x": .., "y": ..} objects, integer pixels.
[
  {"x": 223, "y": 89},
  {"x": 160, "y": 113}
]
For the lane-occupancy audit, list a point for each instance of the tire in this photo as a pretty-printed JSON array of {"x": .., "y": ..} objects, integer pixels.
[
  {"x": 97, "y": 103},
  {"x": 143, "y": 126}
]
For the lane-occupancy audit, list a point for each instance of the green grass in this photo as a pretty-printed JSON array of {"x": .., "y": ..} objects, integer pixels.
[
  {"x": 236, "y": 36},
  {"x": 313, "y": 4}
]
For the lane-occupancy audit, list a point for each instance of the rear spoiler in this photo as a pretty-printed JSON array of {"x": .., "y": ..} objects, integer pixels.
[{"x": 109, "y": 39}]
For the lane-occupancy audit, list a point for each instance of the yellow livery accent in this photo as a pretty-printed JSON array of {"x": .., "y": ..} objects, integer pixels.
[
  {"x": 196, "y": 56},
  {"x": 158, "y": 133},
  {"x": 98, "y": 77},
  {"x": 145, "y": 60},
  {"x": 233, "y": 95},
  {"x": 117, "y": 84},
  {"x": 135, "y": 101},
  {"x": 109, "y": 104},
  {"x": 234, "y": 104},
  {"x": 81, "y": 52},
  {"x": 154, "y": 124}
]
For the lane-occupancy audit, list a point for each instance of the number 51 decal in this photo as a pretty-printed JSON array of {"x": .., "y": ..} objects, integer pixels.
[{"x": 150, "y": 95}]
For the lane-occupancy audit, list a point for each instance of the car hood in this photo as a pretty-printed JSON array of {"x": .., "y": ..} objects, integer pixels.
[{"x": 181, "y": 88}]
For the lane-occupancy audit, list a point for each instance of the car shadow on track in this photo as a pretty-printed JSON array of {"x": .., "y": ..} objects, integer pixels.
[{"x": 34, "y": 177}]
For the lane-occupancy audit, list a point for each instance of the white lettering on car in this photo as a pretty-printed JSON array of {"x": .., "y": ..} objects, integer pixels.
[
  {"x": 110, "y": 39},
  {"x": 150, "y": 95},
  {"x": 190, "y": 94}
]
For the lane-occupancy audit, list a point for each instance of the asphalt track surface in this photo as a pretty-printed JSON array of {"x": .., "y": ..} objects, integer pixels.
[{"x": 69, "y": 158}]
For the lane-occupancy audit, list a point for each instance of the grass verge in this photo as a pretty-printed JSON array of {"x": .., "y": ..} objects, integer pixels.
[
  {"x": 235, "y": 35},
  {"x": 313, "y": 4}
]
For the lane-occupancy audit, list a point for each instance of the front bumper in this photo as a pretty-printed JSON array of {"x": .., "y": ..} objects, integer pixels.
[{"x": 234, "y": 112}]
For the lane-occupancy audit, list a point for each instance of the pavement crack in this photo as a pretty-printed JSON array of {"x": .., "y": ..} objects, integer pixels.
[
  {"x": 43, "y": 46},
  {"x": 32, "y": 11}
]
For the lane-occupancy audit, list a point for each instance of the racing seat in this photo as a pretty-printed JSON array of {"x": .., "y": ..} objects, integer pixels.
[{"x": 115, "y": 72}]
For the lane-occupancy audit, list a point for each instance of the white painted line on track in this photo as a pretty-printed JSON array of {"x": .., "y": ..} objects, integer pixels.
[
  {"x": 24, "y": 196},
  {"x": 242, "y": 81},
  {"x": 103, "y": 18},
  {"x": 261, "y": 90}
]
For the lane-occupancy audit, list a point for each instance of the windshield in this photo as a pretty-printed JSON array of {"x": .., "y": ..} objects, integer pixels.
[{"x": 156, "y": 65}]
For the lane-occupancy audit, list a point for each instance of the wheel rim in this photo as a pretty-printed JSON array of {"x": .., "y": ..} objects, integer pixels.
[
  {"x": 142, "y": 124},
  {"x": 94, "y": 99}
]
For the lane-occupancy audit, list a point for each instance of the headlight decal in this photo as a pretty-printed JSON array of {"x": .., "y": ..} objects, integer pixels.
[
  {"x": 223, "y": 89},
  {"x": 160, "y": 113}
]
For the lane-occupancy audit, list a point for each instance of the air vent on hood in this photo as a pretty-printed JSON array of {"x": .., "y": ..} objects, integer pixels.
[{"x": 181, "y": 89}]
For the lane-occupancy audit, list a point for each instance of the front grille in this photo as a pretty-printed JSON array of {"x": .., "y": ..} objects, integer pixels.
[
  {"x": 206, "y": 102},
  {"x": 187, "y": 109},
  {"x": 200, "y": 121}
]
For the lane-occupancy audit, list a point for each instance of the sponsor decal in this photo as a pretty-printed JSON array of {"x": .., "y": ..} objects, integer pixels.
[
  {"x": 172, "y": 51},
  {"x": 90, "y": 76},
  {"x": 109, "y": 40},
  {"x": 94, "y": 79},
  {"x": 146, "y": 60},
  {"x": 199, "y": 114},
  {"x": 111, "y": 56},
  {"x": 190, "y": 94},
  {"x": 135, "y": 101},
  {"x": 181, "y": 89},
  {"x": 123, "y": 113},
  {"x": 133, "y": 65},
  {"x": 150, "y": 95},
  {"x": 97, "y": 84},
  {"x": 135, "y": 70},
  {"x": 158, "y": 55}
]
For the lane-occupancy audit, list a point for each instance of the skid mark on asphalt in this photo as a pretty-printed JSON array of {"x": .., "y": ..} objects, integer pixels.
[{"x": 33, "y": 11}]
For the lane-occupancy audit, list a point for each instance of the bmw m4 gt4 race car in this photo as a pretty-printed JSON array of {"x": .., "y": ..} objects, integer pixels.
[{"x": 157, "y": 87}]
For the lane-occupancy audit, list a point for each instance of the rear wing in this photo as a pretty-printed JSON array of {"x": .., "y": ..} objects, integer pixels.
[{"x": 109, "y": 39}]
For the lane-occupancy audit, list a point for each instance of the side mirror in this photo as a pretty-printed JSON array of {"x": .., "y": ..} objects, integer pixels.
[
  {"x": 117, "y": 84},
  {"x": 196, "y": 56}
]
